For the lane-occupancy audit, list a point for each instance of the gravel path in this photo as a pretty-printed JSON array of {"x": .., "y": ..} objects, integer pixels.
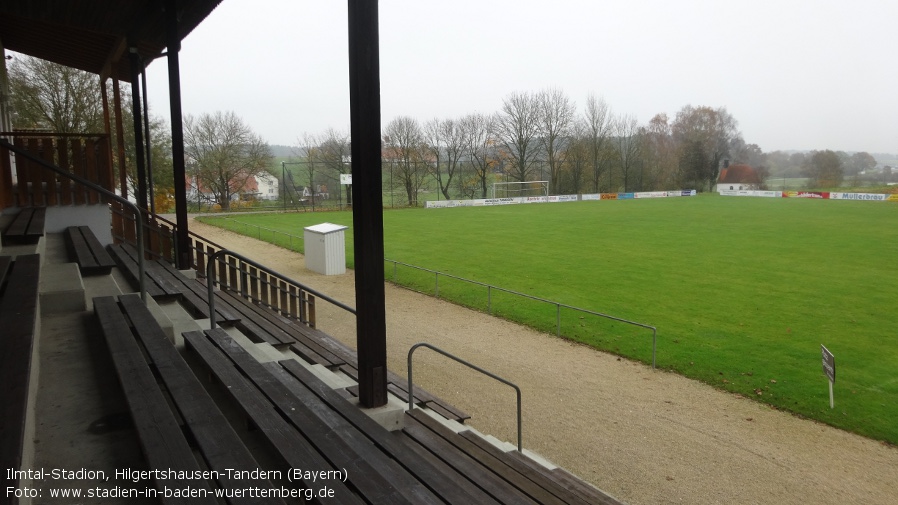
[{"x": 645, "y": 437}]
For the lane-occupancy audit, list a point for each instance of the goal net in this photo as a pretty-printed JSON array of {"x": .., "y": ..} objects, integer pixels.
[{"x": 516, "y": 189}]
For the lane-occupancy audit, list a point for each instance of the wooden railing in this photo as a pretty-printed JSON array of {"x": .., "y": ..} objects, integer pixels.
[
  {"x": 23, "y": 183},
  {"x": 250, "y": 280}
]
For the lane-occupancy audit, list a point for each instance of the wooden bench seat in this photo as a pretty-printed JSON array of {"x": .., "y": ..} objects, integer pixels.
[
  {"x": 27, "y": 227},
  {"x": 139, "y": 347},
  {"x": 87, "y": 251},
  {"x": 19, "y": 282},
  {"x": 436, "y": 475},
  {"x": 289, "y": 445},
  {"x": 476, "y": 456},
  {"x": 165, "y": 282},
  {"x": 377, "y": 476}
]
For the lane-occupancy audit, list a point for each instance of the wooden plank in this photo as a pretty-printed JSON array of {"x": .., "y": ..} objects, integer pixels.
[
  {"x": 6, "y": 188},
  {"x": 18, "y": 314},
  {"x": 588, "y": 492},
  {"x": 450, "y": 486},
  {"x": 48, "y": 176},
  {"x": 221, "y": 447},
  {"x": 499, "y": 489},
  {"x": 293, "y": 450},
  {"x": 488, "y": 461},
  {"x": 538, "y": 474},
  {"x": 102, "y": 258},
  {"x": 78, "y": 249},
  {"x": 195, "y": 293},
  {"x": 164, "y": 445},
  {"x": 35, "y": 175},
  {"x": 36, "y": 225},
  {"x": 62, "y": 153},
  {"x": 379, "y": 478},
  {"x": 79, "y": 196},
  {"x": 129, "y": 267},
  {"x": 283, "y": 329},
  {"x": 19, "y": 224},
  {"x": 23, "y": 174}
]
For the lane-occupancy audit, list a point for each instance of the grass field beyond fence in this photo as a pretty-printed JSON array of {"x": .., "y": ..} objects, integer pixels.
[{"x": 743, "y": 291}]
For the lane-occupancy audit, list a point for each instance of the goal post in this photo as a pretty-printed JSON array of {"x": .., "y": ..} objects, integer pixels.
[{"x": 514, "y": 189}]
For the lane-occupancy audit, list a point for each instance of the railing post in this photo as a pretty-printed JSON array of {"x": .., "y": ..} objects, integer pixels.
[
  {"x": 489, "y": 300},
  {"x": 558, "y": 319},
  {"x": 436, "y": 283}
]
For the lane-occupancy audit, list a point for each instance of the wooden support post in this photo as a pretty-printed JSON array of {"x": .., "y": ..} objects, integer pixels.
[
  {"x": 173, "y": 41},
  {"x": 367, "y": 210},
  {"x": 120, "y": 138},
  {"x": 136, "y": 65}
]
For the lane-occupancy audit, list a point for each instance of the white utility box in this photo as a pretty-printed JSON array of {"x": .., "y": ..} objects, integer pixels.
[{"x": 325, "y": 246}]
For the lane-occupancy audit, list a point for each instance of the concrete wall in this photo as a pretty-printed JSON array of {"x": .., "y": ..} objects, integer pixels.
[{"x": 98, "y": 217}]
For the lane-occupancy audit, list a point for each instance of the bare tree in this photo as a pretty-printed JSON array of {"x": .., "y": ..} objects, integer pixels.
[
  {"x": 226, "y": 153},
  {"x": 714, "y": 131},
  {"x": 517, "y": 129},
  {"x": 334, "y": 153},
  {"x": 661, "y": 152},
  {"x": 578, "y": 156},
  {"x": 555, "y": 115},
  {"x": 53, "y": 96},
  {"x": 480, "y": 147},
  {"x": 403, "y": 140},
  {"x": 599, "y": 122},
  {"x": 628, "y": 144},
  {"x": 446, "y": 141}
]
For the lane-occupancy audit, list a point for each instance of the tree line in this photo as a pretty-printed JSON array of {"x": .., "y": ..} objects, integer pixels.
[
  {"x": 542, "y": 136},
  {"x": 533, "y": 136}
]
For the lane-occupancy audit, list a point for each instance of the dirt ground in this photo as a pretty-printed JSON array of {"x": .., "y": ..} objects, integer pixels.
[{"x": 646, "y": 437}]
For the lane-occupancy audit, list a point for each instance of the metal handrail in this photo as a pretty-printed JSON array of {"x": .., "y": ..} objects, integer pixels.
[
  {"x": 141, "y": 268},
  {"x": 411, "y": 385},
  {"x": 210, "y": 282},
  {"x": 558, "y": 305}
]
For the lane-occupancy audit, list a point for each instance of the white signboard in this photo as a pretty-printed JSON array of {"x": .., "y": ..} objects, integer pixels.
[
  {"x": 829, "y": 368},
  {"x": 345, "y": 178}
]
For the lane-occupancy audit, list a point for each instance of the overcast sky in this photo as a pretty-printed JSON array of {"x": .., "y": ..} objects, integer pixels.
[{"x": 796, "y": 74}]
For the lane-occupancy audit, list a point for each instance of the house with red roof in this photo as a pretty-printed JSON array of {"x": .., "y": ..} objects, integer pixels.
[{"x": 738, "y": 177}]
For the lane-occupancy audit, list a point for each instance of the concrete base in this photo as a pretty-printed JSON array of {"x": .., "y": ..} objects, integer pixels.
[
  {"x": 61, "y": 289},
  {"x": 21, "y": 249},
  {"x": 179, "y": 322},
  {"x": 189, "y": 273},
  {"x": 391, "y": 416}
]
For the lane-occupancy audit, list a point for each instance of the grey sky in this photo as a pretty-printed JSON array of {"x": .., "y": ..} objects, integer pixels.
[{"x": 796, "y": 74}]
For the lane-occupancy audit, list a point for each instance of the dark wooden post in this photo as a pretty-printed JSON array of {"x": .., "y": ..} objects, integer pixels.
[
  {"x": 367, "y": 209},
  {"x": 136, "y": 66},
  {"x": 120, "y": 138},
  {"x": 173, "y": 41}
]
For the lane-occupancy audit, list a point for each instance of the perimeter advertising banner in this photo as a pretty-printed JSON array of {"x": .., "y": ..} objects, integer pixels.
[
  {"x": 609, "y": 196},
  {"x": 650, "y": 194},
  {"x": 626, "y": 196},
  {"x": 876, "y": 197},
  {"x": 745, "y": 192},
  {"x": 806, "y": 194}
]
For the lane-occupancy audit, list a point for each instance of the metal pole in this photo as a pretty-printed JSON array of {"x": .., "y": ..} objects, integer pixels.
[{"x": 558, "y": 319}]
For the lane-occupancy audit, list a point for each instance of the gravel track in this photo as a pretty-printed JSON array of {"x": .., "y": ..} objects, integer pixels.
[{"x": 645, "y": 437}]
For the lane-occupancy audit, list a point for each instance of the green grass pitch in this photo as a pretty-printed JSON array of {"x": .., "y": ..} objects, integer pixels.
[{"x": 743, "y": 291}]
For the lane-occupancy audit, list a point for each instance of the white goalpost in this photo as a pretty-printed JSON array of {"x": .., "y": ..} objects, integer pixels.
[{"x": 515, "y": 189}]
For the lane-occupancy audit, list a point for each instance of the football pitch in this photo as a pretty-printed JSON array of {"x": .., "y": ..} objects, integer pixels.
[{"x": 743, "y": 291}]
